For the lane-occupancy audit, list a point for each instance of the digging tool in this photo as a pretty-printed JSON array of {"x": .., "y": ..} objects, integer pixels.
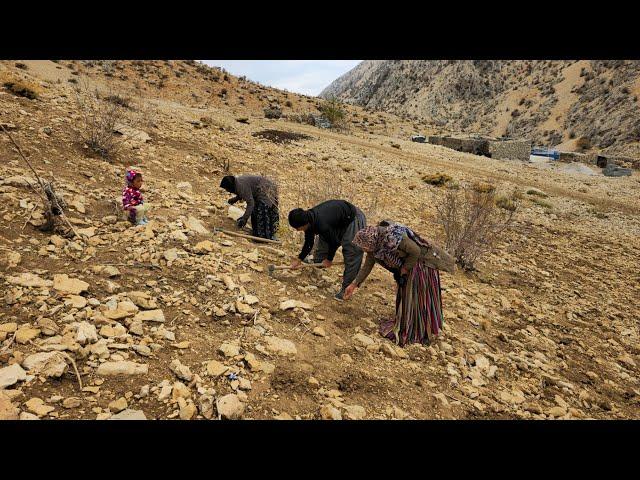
[
  {"x": 243, "y": 235},
  {"x": 273, "y": 268}
]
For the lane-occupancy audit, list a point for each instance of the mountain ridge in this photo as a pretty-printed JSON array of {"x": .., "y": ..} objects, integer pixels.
[{"x": 552, "y": 102}]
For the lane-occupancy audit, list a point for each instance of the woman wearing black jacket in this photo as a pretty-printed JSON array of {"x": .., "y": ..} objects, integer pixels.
[{"x": 335, "y": 222}]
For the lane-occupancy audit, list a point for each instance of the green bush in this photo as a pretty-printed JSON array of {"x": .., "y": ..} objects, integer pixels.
[{"x": 333, "y": 111}]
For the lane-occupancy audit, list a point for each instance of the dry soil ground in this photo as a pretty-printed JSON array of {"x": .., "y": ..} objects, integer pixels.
[{"x": 546, "y": 328}]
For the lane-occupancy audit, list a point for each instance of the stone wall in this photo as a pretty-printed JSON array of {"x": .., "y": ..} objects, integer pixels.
[
  {"x": 468, "y": 145},
  {"x": 510, "y": 149},
  {"x": 488, "y": 147},
  {"x": 599, "y": 159}
]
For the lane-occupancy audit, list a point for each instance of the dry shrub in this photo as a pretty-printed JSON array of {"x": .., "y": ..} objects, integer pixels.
[
  {"x": 305, "y": 118},
  {"x": 146, "y": 113},
  {"x": 319, "y": 186},
  {"x": 582, "y": 144},
  {"x": 472, "y": 222},
  {"x": 98, "y": 123},
  {"x": 20, "y": 86},
  {"x": 437, "y": 179},
  {"x": 119, "y": 100}
]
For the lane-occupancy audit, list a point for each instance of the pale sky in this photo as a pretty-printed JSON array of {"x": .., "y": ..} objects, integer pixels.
[{"x": 308, "y": 77}]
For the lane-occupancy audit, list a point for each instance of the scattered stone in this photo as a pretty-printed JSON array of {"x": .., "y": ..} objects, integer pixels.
[
  {"x": 230, "y": 407},
  {"x": 289, "y": 304},
  {"x": 37, "y": 406},
  {"x": 10, "y": 259},
  {"x": 229, "y": 283},
  {"x": 123, "y": 367},
  {"x": 129, "y": 414},
  {"x": 69, "y": 286},
  {"x": 8, "y": 327},
  {"x": 558, "y": 411},
  {"x": 118, "y": 405},
  {"x": 206, "y": 246},
  {"x": 363, "y": 339},
  {"x": 251, "y": 299},
  {"x": 215, "y": 368},
  {"x": 328, "y": 412},
  {"x": 283, "y": 416},
  {"x": 170, "y": 255},
  {"x": 142, "y": 350},
  {"x": 110, "y": 331},
  {"x": 179, "y": 236},
  {"x": 86, "y": 333},
  {"x": 180, "y": 390},
  {"x": 28, "y": 416},
  {"x": 234, "y": 213},
  {"x": 229, "y": 349},
  {"x": 48, "y": 326},
  {"x": 205, "y": 406},
  {"x": 71, "y": 402},
  {"x": 111, "y": 271},
  {"x": 26, "y": 334},
  {"x": 181, "y": 371},
  {"x": 8, "y": 411},
  {"x": 149, "y": 316},
  {"x": 244, "y": 308},
  {"x": 29, "y": 280},
  {"x": 76, "y": 301},
  {"x": 319, "y": 331},
  {"x": 49, "y": 364},
  {"x": 136, "y": 328},
  {"x": 196, "y": 225},
  {"x": 142, "y": 300},
  {"x": 355, "y": 412},
  {"x": 281, "y": 346},
  {"x": 187, "y": 409},
  {"x": 87, "y": 232}
]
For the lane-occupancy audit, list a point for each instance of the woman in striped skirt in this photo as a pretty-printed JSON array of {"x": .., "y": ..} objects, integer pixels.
[{"x": 415, "y": 264}]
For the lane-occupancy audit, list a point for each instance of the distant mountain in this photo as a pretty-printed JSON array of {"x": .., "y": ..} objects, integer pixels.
[{"x": 550, "y": 102}]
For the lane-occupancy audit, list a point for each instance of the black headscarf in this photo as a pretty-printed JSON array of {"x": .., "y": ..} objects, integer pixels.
[
  {"x": 298, "y": 218},
  {"x": 229, "y": 183}
]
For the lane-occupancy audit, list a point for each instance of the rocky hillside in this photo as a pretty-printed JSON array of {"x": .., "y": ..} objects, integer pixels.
[
  {"x": 176, "y": 320},
  {"x": 551, "y": 102}
]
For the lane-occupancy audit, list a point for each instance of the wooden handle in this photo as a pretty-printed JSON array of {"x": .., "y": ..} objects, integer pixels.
[
  {"x": 251, "y": 237},
  {"x": 304, "y": 265}
]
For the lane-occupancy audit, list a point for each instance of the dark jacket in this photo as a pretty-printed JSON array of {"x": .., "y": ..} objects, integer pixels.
[
  {"x": 329, "y": 219},
  {"x": 253, "y": 189}
]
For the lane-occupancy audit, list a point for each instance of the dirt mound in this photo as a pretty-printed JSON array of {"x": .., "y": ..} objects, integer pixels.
[{"x": 280, "y": 136}]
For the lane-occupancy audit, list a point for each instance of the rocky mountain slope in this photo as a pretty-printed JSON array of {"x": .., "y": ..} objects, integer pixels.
[
  {"x": 551, "y": 102},
  {"x": 173, "y": 320}
]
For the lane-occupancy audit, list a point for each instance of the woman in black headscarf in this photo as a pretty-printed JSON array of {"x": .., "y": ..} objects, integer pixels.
[{"x": 261, "y": 196}]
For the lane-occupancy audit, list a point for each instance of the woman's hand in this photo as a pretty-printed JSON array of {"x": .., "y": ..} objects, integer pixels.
[
  {"x": 296, "y": 263},
  {"x": 350, "y": 290},
  {"x": 326, "y": 263}
]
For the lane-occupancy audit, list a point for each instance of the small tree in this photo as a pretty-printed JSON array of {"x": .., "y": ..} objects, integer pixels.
[
  {"x": 333, "y": 111},
  {"x": 473, "y": 218}
]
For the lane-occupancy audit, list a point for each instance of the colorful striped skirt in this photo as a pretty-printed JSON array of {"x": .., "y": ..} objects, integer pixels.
[{"x": 418, "y": 317}]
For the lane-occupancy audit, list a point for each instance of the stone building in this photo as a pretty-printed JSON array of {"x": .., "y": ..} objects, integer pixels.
[
  {"x": 510, "y": 149},
  {"x": 488, "y": 147}
]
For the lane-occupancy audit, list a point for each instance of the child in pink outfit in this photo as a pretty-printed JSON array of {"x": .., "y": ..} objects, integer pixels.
[{"x": 132, "y": 200}]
